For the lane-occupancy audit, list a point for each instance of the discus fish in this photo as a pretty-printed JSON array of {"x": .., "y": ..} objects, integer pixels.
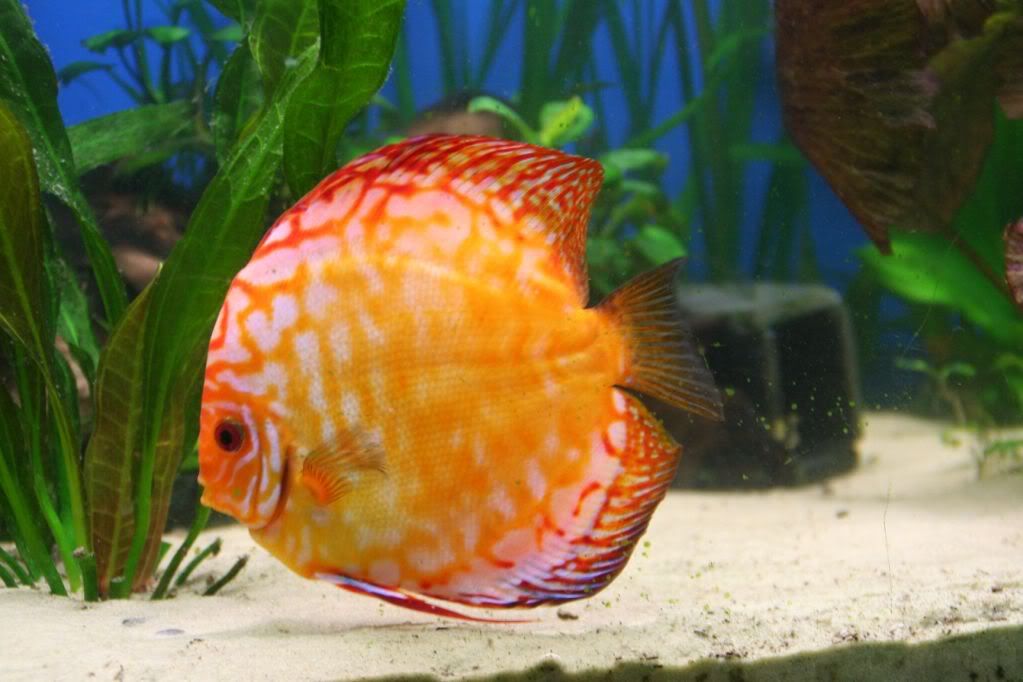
[{"x": 406, "y": 394}]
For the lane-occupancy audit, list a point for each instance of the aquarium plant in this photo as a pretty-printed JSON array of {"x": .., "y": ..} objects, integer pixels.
[
  {"x": 907, "y": 110},
  {"x": 104, "y": 506}
]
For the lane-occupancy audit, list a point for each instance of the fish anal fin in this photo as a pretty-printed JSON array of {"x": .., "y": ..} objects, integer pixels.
[
  {"x": 402, "y": 598},
  {"x": 648, "y": 458},
  {"x": 329, "y": 471},
  {"x": 663, "y": 360}
]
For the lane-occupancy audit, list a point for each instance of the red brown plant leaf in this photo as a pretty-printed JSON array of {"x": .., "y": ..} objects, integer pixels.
[{"x": 891, "y": 100}]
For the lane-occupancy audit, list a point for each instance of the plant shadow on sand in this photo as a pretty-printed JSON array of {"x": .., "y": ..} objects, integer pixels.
[{"x": 988, "y": 655}]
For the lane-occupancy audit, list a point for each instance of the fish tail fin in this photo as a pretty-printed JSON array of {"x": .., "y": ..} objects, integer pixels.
[{"x": 663, "y": 360}]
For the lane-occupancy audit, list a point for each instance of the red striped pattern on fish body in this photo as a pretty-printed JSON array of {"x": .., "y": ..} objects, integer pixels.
[{"x": 405, "y": 393}]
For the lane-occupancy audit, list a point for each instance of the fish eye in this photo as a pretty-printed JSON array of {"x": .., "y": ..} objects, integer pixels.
[{"x": 230, "y": 435}]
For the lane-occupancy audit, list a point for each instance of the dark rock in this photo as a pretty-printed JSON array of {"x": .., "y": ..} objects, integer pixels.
[{"x": 784, "y": 359}]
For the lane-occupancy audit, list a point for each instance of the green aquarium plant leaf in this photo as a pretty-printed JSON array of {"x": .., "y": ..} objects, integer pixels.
[
  {"x": 222, "y": 233},
  {"x": 112, "y": 451},
  {"x": 237, "y": 99},
  {"x": 927, "y": 269},
  {"x": 75, "y": 70},
  {"x": 17, "y": 503},
  {"x": 241, "y": 11},
  {"x": 29, "y": 86},
  {"x": 128, "y": 132},
  {"x": 658, "y": 244},
  {"x": 562, "y": 122},
  {"x": 357, "y": 42},
  {"x": 168, "y": 35},
  {"x": 74, "y": 323},
  {"x": 117, "y": 38},
  {"x": 24, "y": 294},
  {"x": 618, "y": 162},
  {"x": 495, "y": 106},
  {"x": 281, "y": 30},
  {"x": 232, "y": 33}
]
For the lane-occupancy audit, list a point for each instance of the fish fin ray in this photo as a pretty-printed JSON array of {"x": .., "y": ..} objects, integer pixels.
[
  {"x": 649, "y": 459},
  {"x": 401, "y": 598},
  {"x": 328, "y": 470},
  {"x": 664, "y": 361}
]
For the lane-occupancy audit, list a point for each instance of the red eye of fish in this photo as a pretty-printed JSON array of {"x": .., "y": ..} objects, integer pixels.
[{"x": 230, "y": 435}]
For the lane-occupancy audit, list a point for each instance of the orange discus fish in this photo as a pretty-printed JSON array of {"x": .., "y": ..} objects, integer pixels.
[{"x": 407, "y": 396}]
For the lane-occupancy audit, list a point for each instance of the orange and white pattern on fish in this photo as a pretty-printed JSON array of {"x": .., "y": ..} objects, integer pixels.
[{"x": 424, "y": 306}]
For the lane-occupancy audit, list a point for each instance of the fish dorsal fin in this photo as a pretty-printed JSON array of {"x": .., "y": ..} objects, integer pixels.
[
  {"x": 525, "y": 187},
  {"x": 331, "y": 470}
]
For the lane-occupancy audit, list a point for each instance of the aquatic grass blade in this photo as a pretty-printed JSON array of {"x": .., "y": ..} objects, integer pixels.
[
  {"x": 357, "y": 42},
  {"x": 29, "y": 86},
  {"x": 20, "y": 507},
  {"x": 202, "y": 516}
]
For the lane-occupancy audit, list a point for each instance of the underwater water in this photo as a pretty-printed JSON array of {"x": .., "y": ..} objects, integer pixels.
[{"x": 247, "y": 300}]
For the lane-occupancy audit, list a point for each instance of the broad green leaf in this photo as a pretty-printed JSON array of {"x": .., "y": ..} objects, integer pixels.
[
  {"x": 74, "y": 323},
  {"x": 127, "y": 133},
  {"x": 111, "y": 453},
  {"x": 232, "y": 33},
  {"x": 281, "y": 30},
  {"x": 928, "y": 269},
  {"x": 564, "y": 122},
  {"x": 625, "y": 160},
  {"x": 179, "y": 429},
  {"x": 116, "y": 38},
  {"x": 236, "y": 101},
  {"x": 186, "y": 297},
  {"x": 658, "y": 245},
  {"x": 22, "y": 278},
  {"x": 168, "y": 35},
  {"x": 239, "y": 10},
  {"x": 75, "y": 69},
  {"x": 641, "y": 188},
  {"x": 495, "y": 106},
  {"x": 609, "y": 266},
  {"x": 357, "y": 41},
  {"x": 29, "y": 86}
]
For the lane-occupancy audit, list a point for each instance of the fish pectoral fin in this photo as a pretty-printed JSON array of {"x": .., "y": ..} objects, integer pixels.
[
  {"x": 331, "y": 470},
  {"x": 401, "y": 598}
]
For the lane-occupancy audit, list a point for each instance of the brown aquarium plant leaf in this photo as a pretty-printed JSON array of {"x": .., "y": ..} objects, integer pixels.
[
  {"x": 1014, "y": 260},
  {"x": 891, "y": 100}
]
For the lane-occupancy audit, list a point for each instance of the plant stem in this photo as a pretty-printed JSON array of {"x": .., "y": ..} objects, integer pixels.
[
  {"x": 87, "y": 562},
  {"x": 202, "y": 515},
  {"x": 227, "y": 577},
  {"x": 18, "y": 569},
  {"x": 212, "y": 549},
  {"x": 7, "y": 578}
]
